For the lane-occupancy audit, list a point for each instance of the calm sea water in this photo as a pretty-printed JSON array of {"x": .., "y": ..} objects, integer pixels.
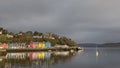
[{"x": 89, "y": 58}]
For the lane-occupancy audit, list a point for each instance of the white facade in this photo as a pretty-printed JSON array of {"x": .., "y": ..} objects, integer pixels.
[
  {"x": 0, "y": 32},
  {"x": 9, "y": 36},
  {"x": 20, "y": 34},
  {"x": 61, "y": 46},
  {"x": 37, "y": 36}
]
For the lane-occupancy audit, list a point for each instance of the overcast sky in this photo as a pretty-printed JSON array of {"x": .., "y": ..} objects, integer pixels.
[{"x": 85, "y": 21}]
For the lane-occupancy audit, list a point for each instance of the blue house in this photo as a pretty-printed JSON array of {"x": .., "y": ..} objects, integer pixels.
[{"x": 48, "y": 44}]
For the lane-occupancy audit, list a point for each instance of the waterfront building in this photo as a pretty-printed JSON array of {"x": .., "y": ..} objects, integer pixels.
[
  {"x": 4, "y": 45},
  {"x": 33, "y": 44},
  {"x": 1, "y": 46},
  {"x": 41, "y": 45},
  {"x": 48, "y": 44},
  {"x": 61, "y": 46},
  {"x": 17, "y": 45},
  {"x": 0, "y": 32}
]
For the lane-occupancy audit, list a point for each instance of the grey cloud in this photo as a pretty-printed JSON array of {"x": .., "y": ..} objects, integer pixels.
[{"x": 82, "y": 20}]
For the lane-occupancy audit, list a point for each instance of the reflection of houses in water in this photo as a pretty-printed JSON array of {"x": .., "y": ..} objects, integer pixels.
[
  {"x": 16, "y": 56},
  {"x": 33, "y": 56},
  {"x": 39, "y": 55},
  {"x": 8, "y": 65},
  {"x": 35, "y": 59}
]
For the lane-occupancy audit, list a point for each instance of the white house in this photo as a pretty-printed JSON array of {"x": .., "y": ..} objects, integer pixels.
[
  {"x": 61, "y": 46},
  {"x": 49, "y": 36},
  {"x": 9, "y": 36},
  {"x": 37, "y": 36},
  {"x": 0, "y": 32}
]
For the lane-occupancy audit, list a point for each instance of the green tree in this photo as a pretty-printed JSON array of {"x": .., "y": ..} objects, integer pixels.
[
  {"x": 4, "y": 31},
  {"x": 1, "y": 29},
  {"x": 36, "y": 33}
]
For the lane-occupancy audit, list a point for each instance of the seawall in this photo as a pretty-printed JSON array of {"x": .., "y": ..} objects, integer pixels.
[{"x": 40, "y": 49}]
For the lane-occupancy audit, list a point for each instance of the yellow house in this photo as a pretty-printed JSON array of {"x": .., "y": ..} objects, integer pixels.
[{"x": 41, "y": 45}]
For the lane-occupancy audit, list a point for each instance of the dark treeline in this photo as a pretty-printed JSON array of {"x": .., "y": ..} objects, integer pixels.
[{"x": 26, "y": 37}]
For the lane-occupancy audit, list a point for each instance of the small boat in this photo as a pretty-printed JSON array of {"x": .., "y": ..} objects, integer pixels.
[{"x": 97, "y": 53}]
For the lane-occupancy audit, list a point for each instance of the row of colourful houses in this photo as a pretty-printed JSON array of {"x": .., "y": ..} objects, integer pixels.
[
  {"x": 13, "y": 45},
  {"x": 17, "y": 45},
  {"x": 24, "y": 45},
  {"x": 31, "y": 45},
  {"x": 40, "y": 44}
]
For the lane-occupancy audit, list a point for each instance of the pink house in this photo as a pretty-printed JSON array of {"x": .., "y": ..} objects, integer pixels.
[
  {"x": 33, "y": 45},
  {"x": 4, "y": 45}
]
